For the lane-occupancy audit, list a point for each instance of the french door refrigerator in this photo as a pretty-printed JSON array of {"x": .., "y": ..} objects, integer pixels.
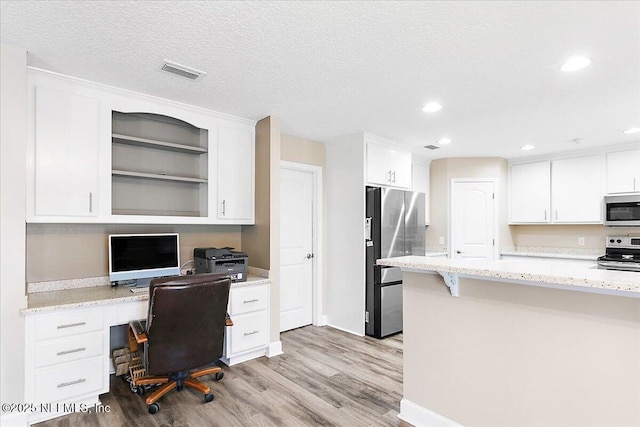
[{"x": 395, "y": 226}]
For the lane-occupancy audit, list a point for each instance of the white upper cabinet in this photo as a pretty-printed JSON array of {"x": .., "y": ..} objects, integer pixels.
[
  {"x": 63, "y": 154},
  {"x": 235, "y": 181},
  {"x": 623, "y": 171},
  {"x": 530, "y": 193},
  {"x": 576, "y": 190},
  {"x": 103, "y": 155},
  {"x": 387, "y": 165},
  {"x": 420, "y": 183}
]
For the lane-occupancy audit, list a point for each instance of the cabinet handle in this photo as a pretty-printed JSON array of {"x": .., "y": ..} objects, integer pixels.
[
  {"x": 78, "y": 381},
  {"x": 556, "y": 214},
  {"x": 71, "y": 325},
  {"x": 389, "y": 180},
  {"x": 224, "y": 207},
  {"x": 75, "y": 350},
  {"x": 249, "y": 301},
  {"x": 250, "y": 333},
  {"x": 90, "y": 202},
  {"x": 634, "y": 184},
  {"x": 545, "y": 214},
  {"x": 394, "y": 177}
]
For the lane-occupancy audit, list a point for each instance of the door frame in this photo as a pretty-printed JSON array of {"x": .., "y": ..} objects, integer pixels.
[
  {"x": 496, "y": 204},
  {"x": 317, "y": 318}
]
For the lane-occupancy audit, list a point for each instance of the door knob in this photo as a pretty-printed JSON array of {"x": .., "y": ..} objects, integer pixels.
[{"x": 309, "y": 256}]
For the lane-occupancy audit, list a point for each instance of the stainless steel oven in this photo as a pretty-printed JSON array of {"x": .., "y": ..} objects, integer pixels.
[
  {"x": 622, "y": 211},
  {"x": 622, "y": 253}
]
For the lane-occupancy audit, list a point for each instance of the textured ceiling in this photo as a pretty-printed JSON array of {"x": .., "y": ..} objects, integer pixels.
[{"x": 330, "y": 69}]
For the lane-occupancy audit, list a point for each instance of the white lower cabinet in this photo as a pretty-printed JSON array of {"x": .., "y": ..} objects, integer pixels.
[
  {"x": 248, "y": 338},
  {"x": 65, "y": 364}
]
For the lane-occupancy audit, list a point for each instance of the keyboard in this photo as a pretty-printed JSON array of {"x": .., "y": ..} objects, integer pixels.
[{"x": 137, "y": 290}]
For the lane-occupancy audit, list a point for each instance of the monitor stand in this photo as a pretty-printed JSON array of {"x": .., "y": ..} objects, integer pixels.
[{"x": 143, "y": 282}]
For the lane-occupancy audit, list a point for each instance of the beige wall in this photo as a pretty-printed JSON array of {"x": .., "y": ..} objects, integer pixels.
[
  {"x": 13, "y": 136},
  {"x": 441, "y": 172},
  {"x": 513, "y": 355},
  {"x": 262, "y": 240},
  {"x": 566, "y": 236},
  {"x": 72, "y": 251}
]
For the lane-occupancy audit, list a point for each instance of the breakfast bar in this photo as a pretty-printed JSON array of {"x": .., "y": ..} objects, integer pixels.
[{"x": 519, "y": 343}]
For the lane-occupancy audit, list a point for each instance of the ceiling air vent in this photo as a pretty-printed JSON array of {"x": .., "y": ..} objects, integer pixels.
[
  {"x": 431, "y": 147},
  {"x": 182, "y": 71}
]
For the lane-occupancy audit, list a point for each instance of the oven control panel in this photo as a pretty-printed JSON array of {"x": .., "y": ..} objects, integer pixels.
[{"x": 623, "y": 242}]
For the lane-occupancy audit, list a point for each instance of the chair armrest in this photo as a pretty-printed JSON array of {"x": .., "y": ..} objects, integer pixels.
[
  {"x": 228, "y": 321},
  {"x": 138, "y": 331}
]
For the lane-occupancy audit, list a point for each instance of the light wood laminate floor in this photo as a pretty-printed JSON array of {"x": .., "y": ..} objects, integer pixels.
[{"x": 325, "y": 377}]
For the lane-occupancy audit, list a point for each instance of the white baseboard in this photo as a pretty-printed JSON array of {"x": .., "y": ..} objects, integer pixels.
[
  {"x": 322, "y": 321},
  {"x": 345, "y": 330},
  {"x": 421, "y": 417},
  {"x": 274, "y": 349},
  {"x": 16, "y": 419}
]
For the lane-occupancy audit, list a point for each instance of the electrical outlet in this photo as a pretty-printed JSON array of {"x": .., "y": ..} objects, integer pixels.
[
  {"x": 441, "y": 240},
  {"x": 580, "y": 241}
]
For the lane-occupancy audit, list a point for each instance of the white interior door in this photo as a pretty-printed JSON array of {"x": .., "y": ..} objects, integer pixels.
[
  {"x": 472, "y": 220},
  {"x": 296, "y": 249}
]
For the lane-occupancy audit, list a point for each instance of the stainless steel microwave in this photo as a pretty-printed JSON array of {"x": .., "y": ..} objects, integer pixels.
[{"x": 622, "y": 211}]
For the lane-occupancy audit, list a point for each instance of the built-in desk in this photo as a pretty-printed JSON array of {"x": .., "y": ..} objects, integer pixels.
[{"x": 67, "y": 345}]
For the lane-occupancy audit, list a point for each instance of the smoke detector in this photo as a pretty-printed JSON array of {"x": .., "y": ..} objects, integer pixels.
[{"x": 181, "y": 70}]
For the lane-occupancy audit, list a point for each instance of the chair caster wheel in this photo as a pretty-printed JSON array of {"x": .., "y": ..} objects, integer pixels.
[
  {"x": 208, "y": 397},
  {"x": 140, "y": 390},
  {"x": 153, "y": 408},
  {"x": 219, "y": 376}
]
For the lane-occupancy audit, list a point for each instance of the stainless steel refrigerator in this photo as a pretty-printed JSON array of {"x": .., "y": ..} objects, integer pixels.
[{"x": 395, "y": 226}]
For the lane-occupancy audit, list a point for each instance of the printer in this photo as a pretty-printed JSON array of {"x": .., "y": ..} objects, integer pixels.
[{"x": 224, "y": 260}]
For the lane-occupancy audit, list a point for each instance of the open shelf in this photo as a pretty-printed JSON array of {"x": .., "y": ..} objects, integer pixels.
[
  {"x": 159, "y": 176},
  {"x": 161, "y": 145},
  {"x": 159, "y": 166}
]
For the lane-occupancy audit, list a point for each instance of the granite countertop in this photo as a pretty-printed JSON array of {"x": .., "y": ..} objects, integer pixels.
[
  {"x": 98, "y": 295},
  {"x": 568, "y": 275}
]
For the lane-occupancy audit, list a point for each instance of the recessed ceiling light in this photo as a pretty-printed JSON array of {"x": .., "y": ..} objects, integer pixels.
[
  {"x": 575, "y": 63},
  {"x": 632, "y": 130},
  {"x": 444, "y": 141},
  {"x": 431, "y": 107},
  {"x": 527, "y": 147}
]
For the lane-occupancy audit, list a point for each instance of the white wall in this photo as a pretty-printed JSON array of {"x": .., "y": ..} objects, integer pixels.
[
  {"x": 345, "y": 235},
  {"x": 13, "y": 127}
]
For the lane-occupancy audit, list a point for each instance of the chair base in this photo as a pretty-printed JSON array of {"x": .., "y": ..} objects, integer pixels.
[{"x": 179, "y": 380}]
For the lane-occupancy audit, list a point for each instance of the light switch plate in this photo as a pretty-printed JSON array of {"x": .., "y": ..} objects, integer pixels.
[{"x": 580, "y": 241}]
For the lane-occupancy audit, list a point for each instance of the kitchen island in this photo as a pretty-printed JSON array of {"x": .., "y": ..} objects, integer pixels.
[{"x": 504, "y": 354}]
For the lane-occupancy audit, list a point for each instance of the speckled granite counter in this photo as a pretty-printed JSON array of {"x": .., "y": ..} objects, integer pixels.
[
  {"x": 97, "y": 295},
  {"x": 565, "y": 276}
]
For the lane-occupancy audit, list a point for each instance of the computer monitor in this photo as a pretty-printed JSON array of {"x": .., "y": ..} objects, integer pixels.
[{"x": 142, "y": 257}]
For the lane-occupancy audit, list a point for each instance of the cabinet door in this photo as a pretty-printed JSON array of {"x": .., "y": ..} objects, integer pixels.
[
  {"x": 400, "y": 168},
  {"x": 378, "y": 168},
  {"x": 420, "y": 182},
  {"x": 66, "y": 153},
  {"x": 623, "y": 172},
  {"x": 530, "y": 194},
  {"x": 576, "y": 190},
  {"x": 235, "y": 189}
]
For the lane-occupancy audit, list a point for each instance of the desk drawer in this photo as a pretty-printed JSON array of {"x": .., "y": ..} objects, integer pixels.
[
  {"x": 68, "y": 323},
  {"x": 132, "y": 311},
  {"x": 69, "y": 349},
  {"x": 249, "y": 332},
  {"x": 247, "y": 299},
  {"x": 69, "y": 380}
]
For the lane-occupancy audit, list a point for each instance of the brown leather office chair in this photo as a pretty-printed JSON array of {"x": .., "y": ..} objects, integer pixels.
[{"x": 185, "y": 330}]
